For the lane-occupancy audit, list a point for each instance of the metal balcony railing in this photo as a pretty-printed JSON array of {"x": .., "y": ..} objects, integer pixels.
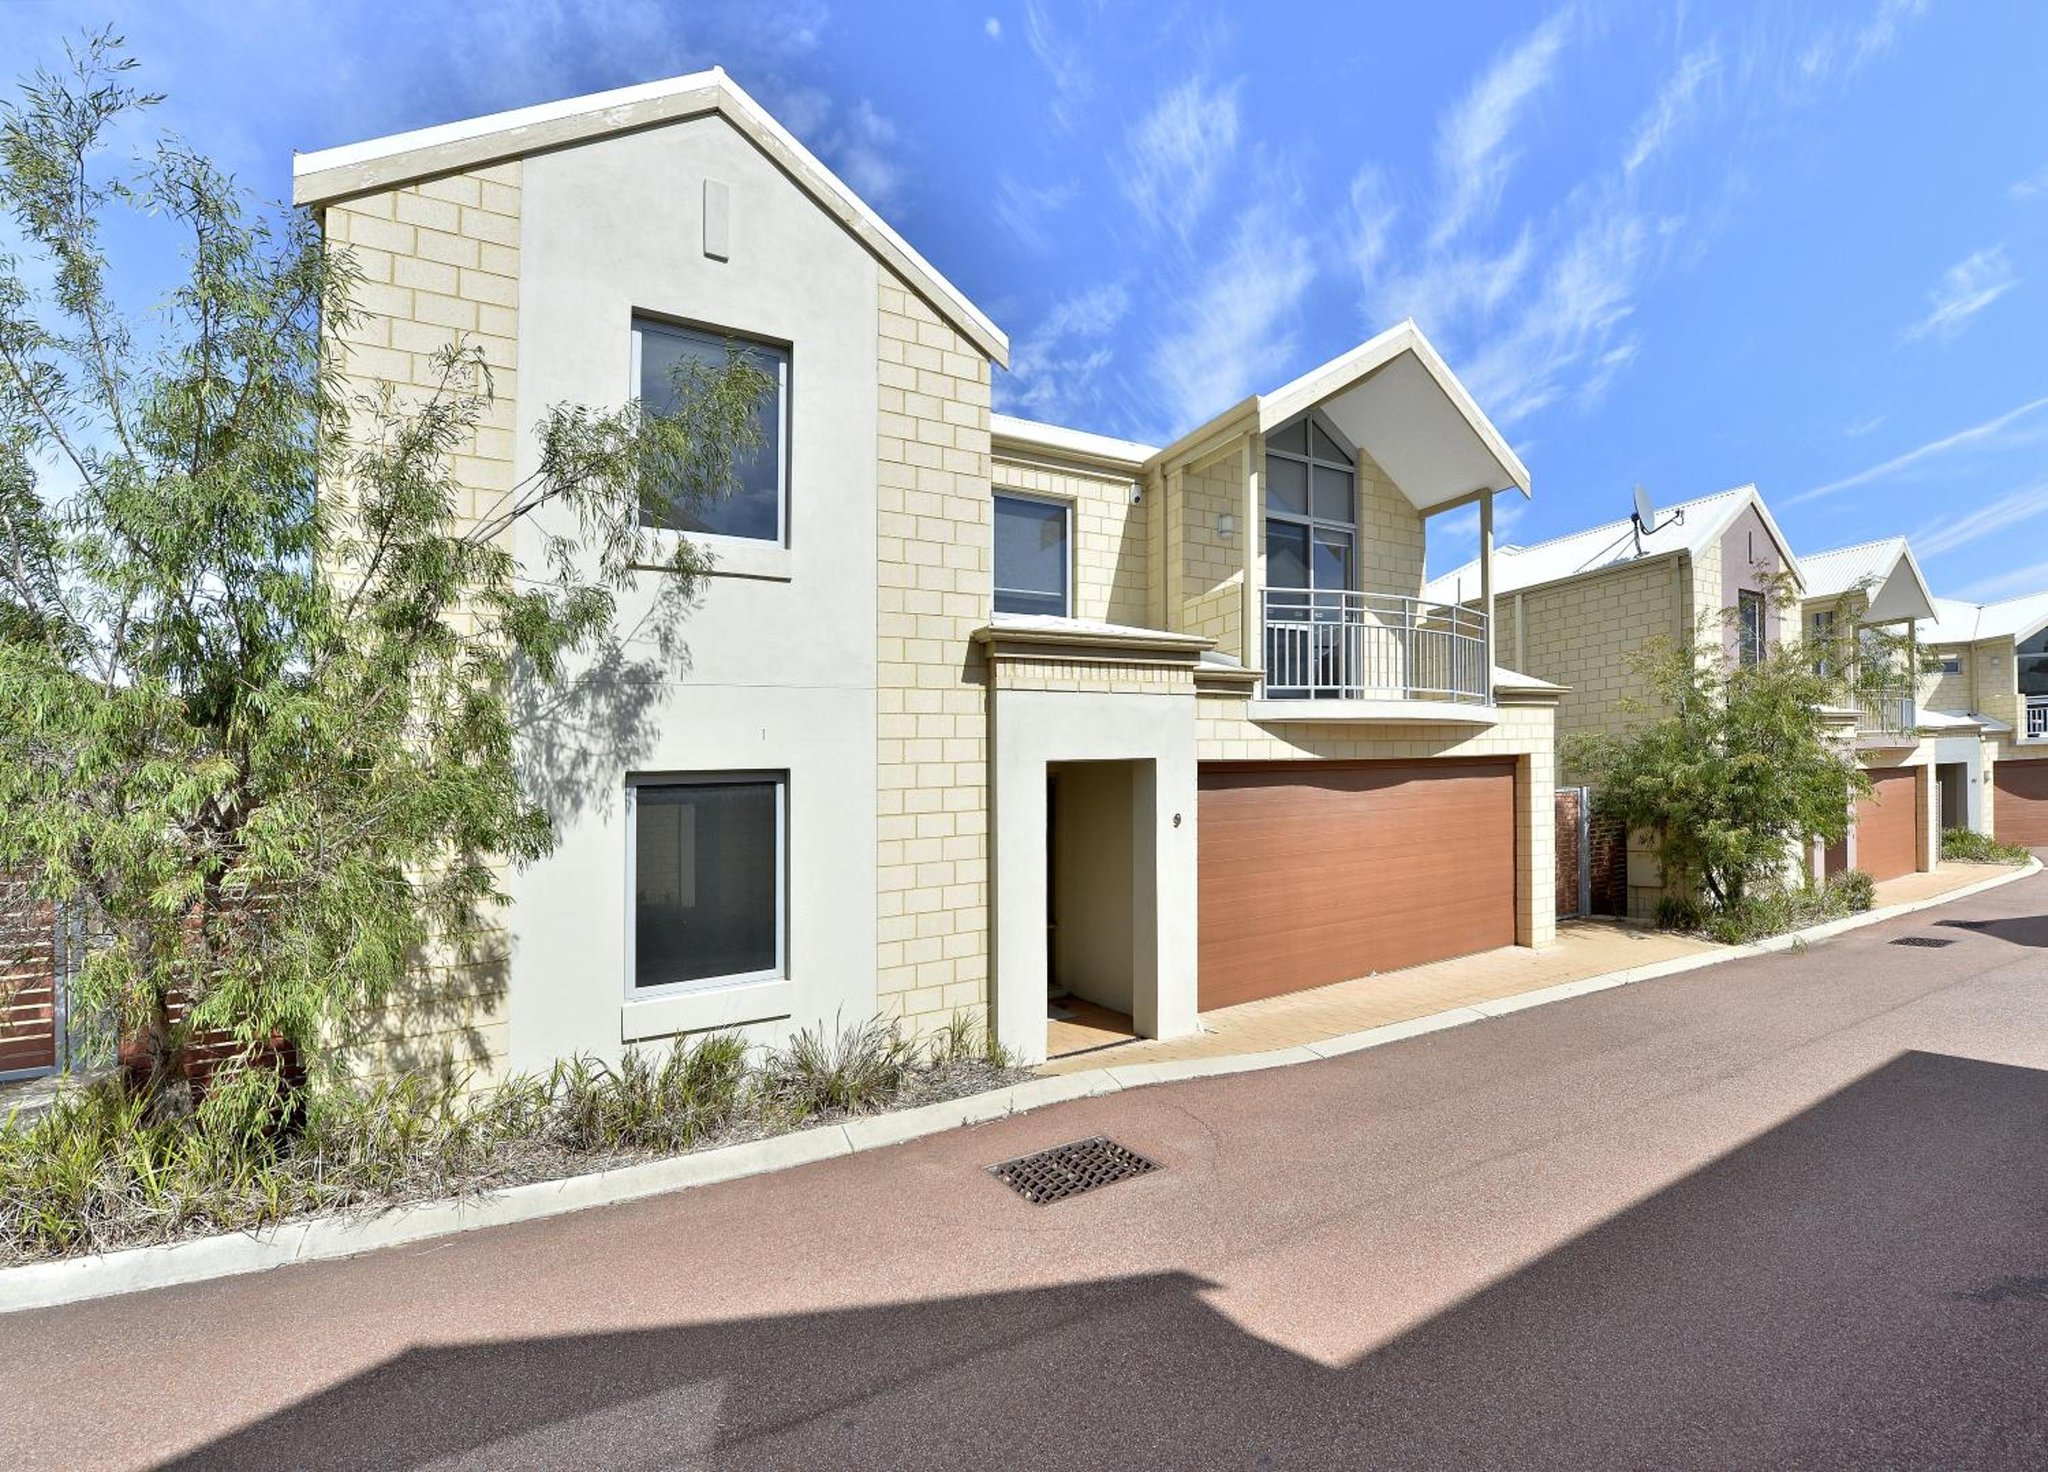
[
  {"x": 2037, "y": 718},
  {"x": 1888, "y": 713},
  {"x": 1371, "y": 646}
]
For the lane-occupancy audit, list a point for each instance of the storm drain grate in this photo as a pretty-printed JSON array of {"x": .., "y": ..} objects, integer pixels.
[
  {"x": 1930, "y": 941},
  {"x": 1068, "y": 1170}
]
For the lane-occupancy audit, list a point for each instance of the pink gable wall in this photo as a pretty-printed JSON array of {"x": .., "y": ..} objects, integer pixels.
[{"x": 1749, "y": 559}]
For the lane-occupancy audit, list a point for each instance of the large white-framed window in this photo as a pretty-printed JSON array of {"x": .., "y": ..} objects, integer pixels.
[
  {"x": 1820, "y": 638},
  {"x": 2030, "y": 664},
  {"x": 757, "y": 509},
  {"x": 707, "y": 877},
  {"x": 1749, "y": 626},
  {"x": 1034, "y": 555},
  {"x": 1311, "y": 511}
]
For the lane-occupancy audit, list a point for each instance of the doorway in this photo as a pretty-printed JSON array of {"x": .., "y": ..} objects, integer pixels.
[
  {"x": 1091, "y": 857},
  {"x": 1955, "y": 794}
]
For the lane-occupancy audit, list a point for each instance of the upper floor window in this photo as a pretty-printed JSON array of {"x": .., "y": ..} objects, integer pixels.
[
  {"x": 2032, "y": 665},
  {"x": 757, "y": 508},
  {"x": 1749, "y": 626},
  {"x": 1032, "y": 555},
  {"x": 1820, "y": 636},
  {"x": 1311, "y": 510}
]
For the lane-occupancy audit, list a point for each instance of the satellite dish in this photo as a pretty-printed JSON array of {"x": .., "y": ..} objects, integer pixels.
[{"x": 1644, "y": 518}]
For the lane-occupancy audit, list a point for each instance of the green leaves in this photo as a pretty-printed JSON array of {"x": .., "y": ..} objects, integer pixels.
[
  {"x": 264, "y": 656},
  {"x": 1735, "y": 770}
]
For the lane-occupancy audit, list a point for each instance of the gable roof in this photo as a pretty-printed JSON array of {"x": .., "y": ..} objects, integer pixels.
[
  {"x": 1886, "y": 567},
  {"x": 1689, "y": 527},
  {"x": 1395, "y": 398},
  {"x": 1960, "y": 622},
  {"x": 400, "y": 158}
]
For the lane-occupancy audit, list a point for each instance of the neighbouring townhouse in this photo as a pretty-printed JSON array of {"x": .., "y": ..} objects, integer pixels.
[
  {"x": 980, "y": 716},
  {"x": 1574, "y": 611},
  {"x": 1927, "y": 765},
  {"x": 1993, "y": 672}
]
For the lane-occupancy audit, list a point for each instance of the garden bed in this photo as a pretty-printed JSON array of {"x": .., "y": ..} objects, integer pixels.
[{"x": 100, "y": 1170}]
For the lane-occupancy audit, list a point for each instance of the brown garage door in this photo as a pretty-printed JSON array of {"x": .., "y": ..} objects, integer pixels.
[
  {"x": 1318, "y": 872},
  {"x": 2020, "y": 810},
  {"x": 1888, "y": 825}
]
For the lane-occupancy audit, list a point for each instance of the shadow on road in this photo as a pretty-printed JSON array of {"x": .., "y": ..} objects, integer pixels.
[
  {"x": 2021, "y": 930},
  {"x": 1864, "y": 1285}
]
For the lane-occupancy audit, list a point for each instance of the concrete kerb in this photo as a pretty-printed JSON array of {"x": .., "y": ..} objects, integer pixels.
[{"x": 317, "y": 1239}]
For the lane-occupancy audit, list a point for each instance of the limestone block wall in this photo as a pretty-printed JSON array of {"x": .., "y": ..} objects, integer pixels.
[
  {"x": 1527, "y": 733},
  {"x": 1584, "y": 635},
  {"x": 1391, "y": 540},
  {"x": 1211, "y": 566},
  {"x": 1111, "y": 531},
  {"x": 439, "y": 263},
  {"x": 934, "y": 591}
]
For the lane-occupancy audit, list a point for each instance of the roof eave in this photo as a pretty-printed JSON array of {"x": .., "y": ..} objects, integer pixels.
[{"x": 322, "y": 177}]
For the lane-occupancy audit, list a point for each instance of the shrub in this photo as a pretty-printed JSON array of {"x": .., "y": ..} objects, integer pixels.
[
  {"x": 1852, "y": 892},
  {"x": 1676, "y": 912},
  {"x": 103, "y": 1169},
  {"x": 1966, "y": 846}
]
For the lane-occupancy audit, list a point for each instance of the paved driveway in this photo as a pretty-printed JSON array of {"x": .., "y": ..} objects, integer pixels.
[{"x": 1789, "y": 1212}]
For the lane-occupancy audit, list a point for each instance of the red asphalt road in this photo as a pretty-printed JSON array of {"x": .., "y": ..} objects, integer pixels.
[{"x": 1787, "y": 1212}]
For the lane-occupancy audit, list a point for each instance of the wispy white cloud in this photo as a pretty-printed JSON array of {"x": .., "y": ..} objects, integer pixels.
[
  {"x": 1965, "y": 289},
  {"x": 993, "y": 28},
  {"x": 1992, "y": 433},
  {"x": 1677, "y": 105},
  {"x": 1176, "y": 153},
  {"x": 2034, "y": 186},
  {"x": 1847, "y": 49},
  {"x": 1235, "y": 328},
  {"x": 1950, "y": 532},
  {"x": 1066, "y": 66},
  {"x": 1057, "y": 368},
  {"x": 2013, "y": 584},
  {"x": 1026, "y": 211},
  {"x": 1863, "y": 427},
  {"x": 1474, "y": 150}
]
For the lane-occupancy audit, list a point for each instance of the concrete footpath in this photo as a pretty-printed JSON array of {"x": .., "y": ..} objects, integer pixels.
[{"x": 1782, "y": 1212}]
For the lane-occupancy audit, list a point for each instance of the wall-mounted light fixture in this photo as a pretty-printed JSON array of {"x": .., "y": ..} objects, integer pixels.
[{"x": 1226, "y": 524}]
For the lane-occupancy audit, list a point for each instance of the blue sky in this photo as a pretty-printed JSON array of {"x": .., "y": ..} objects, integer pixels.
[{"x": 1690, "y": 246}]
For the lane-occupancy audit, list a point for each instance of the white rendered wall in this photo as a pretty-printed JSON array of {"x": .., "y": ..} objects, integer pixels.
[{"x": 781, "y": 668}]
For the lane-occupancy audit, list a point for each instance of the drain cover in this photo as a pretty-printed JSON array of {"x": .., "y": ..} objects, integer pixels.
[
  {"x": 1068, "y": 1170},
  {"x": 1930, "y": 941}
]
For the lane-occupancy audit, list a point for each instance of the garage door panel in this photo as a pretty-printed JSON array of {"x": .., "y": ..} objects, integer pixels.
[
  {"x": 1318, "y": 873},
  {"x": 1888, "y": 824},
  {"x": 2019, "y": 812}
]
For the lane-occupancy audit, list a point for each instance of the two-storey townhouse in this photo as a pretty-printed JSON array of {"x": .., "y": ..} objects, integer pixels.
[
  {"x": 1576, "y": 610},
  {"x": 1927, "y": 765},
  {"x": 1993, "y": 672},
  {"x": 979, "y": 716}
]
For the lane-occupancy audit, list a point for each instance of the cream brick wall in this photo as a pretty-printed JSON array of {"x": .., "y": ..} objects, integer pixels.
[
  {"x": 1225, "y": 733},
  {"x": 1585, "y": 635},
  {"x": 1391, "y": 540},
  {"x": 934, "y": 591},
  {"x": 439, "y": 263},
  {"x": 1100, "y": 677},
  {"x": 1112, "y": 543},
  {"x": 1211, "y": 568}
]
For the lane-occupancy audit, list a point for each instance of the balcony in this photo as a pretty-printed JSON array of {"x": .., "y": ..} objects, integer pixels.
[
  {"x": 2037, "y": 718},
  {"x": 1887, "y": 718},
  {"x": 1373, "y": 647}
]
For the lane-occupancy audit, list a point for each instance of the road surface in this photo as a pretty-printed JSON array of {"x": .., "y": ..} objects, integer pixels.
[{"x": 1787, "y": 1212}]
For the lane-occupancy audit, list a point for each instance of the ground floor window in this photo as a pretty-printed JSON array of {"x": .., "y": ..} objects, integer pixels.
[{"x": 708, "y": 887}]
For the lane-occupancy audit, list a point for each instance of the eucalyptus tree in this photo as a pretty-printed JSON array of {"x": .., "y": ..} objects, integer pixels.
[{"x": 260, "y": 681}]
